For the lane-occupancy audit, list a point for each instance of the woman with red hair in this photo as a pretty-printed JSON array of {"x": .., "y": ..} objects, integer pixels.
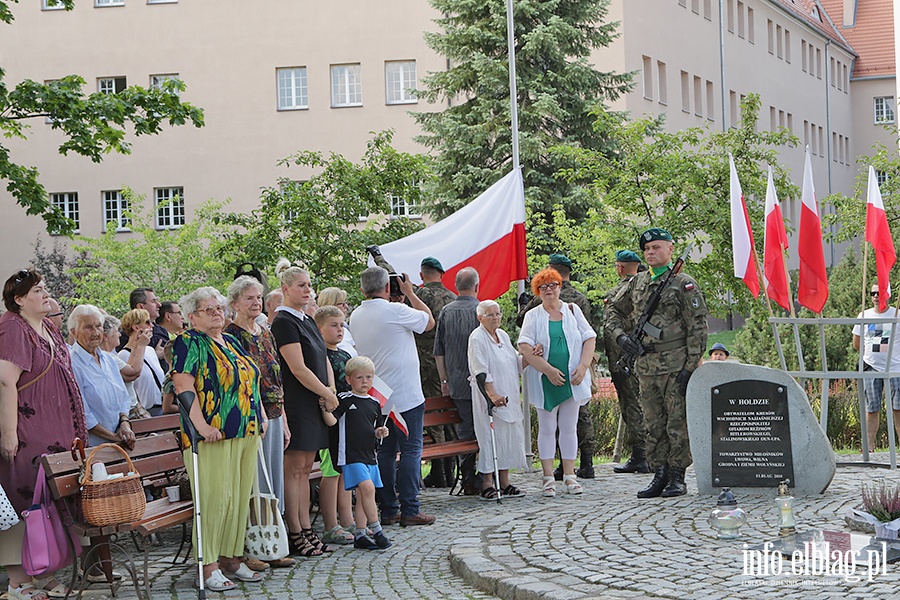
[{"x": 557, "y": 379}]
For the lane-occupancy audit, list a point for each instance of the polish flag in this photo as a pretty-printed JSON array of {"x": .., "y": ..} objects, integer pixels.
[
  {"x": 812, "y": 287},
  {"x": 382, "y": 392},
  {"x": 487, "y": 234},
  {"x": 742, "y": 235},
  {"x": 774, "y": 273},
  {"x": 879, "y": 235}
]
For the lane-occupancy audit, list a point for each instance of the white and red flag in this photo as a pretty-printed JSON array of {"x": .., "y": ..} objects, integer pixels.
[
  {"x": 382, "y": 392},
  {"x": 487, "y": 234},
  {"x": 775, "y": 242},
  {"x": 812, "y": 285},
  {"x": 879, "y": 235},
  {"x": 742, "y": 235}
]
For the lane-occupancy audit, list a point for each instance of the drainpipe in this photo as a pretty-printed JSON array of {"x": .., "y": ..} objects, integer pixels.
[
  {"x": 828, "y": 136},
  {"x": 722, "y": 64}
]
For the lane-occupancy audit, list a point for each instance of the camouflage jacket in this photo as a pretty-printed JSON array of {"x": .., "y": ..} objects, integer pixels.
[
  {"x": 613, "y": 352},
  {"x": 436, "y": 297},
  {"x": 567, "y": 293},
  {"x": 681, "y": 315}
]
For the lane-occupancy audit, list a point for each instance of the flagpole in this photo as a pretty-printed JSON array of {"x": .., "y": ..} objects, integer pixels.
[
  {"x": 513, "y": 94},
  {"x": 762, "y": 278}
]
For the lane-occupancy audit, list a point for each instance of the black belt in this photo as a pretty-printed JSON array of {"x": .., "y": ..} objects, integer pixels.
[{"x": 665, "y": 346}]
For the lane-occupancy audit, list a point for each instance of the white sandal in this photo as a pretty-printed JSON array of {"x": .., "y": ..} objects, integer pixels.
[
  {"x": 56, "y": 591},
  {"x": 549, "y": 489},
  {"x": 26, "y": 591},
  {"x": 217, "y": 582},
  {"x": 244, "y": 573},
  {"x": 572, "y": 485}
]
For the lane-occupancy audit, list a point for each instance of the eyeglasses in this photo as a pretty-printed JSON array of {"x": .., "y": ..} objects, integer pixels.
[
  {"x": 212, "y": 311},
  {"x": 23, "y": 275},
  {"x": 548, "y": 286},
  {"x": 874, "y": 294},
  {"x": 494, "y": 315}
]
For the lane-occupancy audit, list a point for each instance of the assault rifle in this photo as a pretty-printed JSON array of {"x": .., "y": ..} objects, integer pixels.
[{"x": 643, "y": 325}]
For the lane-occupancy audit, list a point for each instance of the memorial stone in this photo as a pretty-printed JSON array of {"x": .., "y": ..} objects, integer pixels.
[{"x": 752, "y": 427}]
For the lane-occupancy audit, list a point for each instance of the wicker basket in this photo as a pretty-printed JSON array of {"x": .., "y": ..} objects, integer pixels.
[{"x": 114, "y": 501}]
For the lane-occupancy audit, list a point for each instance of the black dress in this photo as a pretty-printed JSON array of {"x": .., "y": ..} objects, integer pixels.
[{"x": 301, "y": 406}]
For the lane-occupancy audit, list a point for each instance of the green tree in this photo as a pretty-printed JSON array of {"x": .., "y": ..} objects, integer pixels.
[
  {"x": 557, "y": 88},
  {"x": 316, "y": 222},
  {"x": 171, "y": 262},
  {"x": 675, "y": 180},
  {"x": 93, "y": 125}
]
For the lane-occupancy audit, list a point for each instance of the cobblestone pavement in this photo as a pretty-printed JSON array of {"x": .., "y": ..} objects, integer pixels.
[{"x": 602, "y": 544}]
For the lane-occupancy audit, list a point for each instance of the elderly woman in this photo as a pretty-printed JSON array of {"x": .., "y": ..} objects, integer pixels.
[
  {"x": 558, "y": 381},
  {"x": 307, "y": 377},
  {"x": 136, "y": 324},
  {"x": 130, "y": 370},
  {"x": 495, "y": 363},
  {"x": 245, "y": 295},
  {"x": 106, "y": 401},
  {"x": 40, "y": 412},
  {"x": 218, "y": 378},
  {"x": 333, "y": 296}
]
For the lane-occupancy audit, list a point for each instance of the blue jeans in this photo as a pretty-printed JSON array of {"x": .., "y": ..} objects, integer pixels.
[{"x": 404, "y": 478}]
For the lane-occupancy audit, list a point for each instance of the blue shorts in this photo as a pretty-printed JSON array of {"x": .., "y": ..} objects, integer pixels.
[{"x": 355, "y": 473}]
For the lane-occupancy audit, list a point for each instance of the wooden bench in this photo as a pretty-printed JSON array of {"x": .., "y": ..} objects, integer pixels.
[
  {"x": 440, "y": 411},
  {"x": 151, "y": 425},
  {"x": 154, "y": 457}
]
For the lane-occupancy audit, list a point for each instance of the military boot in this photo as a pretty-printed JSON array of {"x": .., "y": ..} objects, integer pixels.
[
  {"x": 557, "y": 472},
  {"x": 437, "y": 478},
  {"x": 586, "y": 470},
  {"x": 657, "y": 484},
  {"x": 676, "y": 486},
  {"x": 636, "y": 464}
]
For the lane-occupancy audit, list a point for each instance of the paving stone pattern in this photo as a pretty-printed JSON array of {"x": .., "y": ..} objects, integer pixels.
[{"x": 602, "y": 544}]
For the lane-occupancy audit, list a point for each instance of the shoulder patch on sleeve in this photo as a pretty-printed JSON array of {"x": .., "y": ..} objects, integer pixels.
[
  {"x": 688, "y": 286},
  {"x": 695, "y": 302}
]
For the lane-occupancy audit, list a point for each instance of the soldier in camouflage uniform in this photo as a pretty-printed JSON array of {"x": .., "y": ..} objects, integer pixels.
[
  {"x": 435, "y": 296},
  {"x": 668, "y": 362},
  {"x": 627, "y": 264},
  {"x": 587, "y": 439}
]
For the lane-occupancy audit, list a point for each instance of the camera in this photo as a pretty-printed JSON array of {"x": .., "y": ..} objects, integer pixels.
[{"x": 395, "y": 279}]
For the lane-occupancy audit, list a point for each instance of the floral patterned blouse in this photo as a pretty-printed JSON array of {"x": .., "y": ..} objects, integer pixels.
[
  {"x": 226, "y": 381},
  {"x": 262, "y": 350}
]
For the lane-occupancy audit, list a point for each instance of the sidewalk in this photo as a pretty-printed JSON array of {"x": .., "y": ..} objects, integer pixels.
[{"x": 605, "y": 543}]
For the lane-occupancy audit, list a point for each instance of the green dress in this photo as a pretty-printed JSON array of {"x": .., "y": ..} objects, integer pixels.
[{"x": 557, "y": 356}]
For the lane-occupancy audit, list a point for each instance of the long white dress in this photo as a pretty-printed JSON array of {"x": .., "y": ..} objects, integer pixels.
[{"x": 501, "y": 363}]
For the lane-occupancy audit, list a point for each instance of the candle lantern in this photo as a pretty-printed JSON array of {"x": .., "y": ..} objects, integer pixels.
[
  {"x": 727, "y": 518},
  {"x": 785, "y": 503}
]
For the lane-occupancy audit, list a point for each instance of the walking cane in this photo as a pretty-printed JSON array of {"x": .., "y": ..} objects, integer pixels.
[
  {"x": 185, "y": 400},
  {"x": 481, "y": 379}
]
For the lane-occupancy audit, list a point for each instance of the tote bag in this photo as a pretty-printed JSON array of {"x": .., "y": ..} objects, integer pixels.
[
  {"x": 266, "y": 537},
  {"x": 48, "y": 545}
]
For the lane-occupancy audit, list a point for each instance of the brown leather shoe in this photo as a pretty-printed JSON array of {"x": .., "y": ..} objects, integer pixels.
[
  {"x": 388, "y": 521},
  {"x": 282, "y": 563},
  {"x": 419, "y": 519},
  {"x": 256, "y": 565}
]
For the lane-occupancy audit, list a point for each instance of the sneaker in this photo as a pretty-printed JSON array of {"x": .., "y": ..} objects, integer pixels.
[
  {"x": 392, "y": 520},
  {"x": 382, "y": 540},
  {"x": 364, "y": 542},
  {"x": 419, "y": 519}
]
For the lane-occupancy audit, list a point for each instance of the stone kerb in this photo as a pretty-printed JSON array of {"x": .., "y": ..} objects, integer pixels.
[{"x": 812, "y": 457}]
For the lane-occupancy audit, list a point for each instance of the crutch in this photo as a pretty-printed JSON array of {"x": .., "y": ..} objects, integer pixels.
[
  {"x": 481, "y": 379},
  {"x": 185, "y": 400}
]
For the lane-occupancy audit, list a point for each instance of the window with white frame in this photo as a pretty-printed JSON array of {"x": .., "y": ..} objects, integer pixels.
[
  {"x": 111, "y": 85},
  {"x": 100, "y": 3},
  {"x": 169, "y": 207},
  {"x": 884, "y": 110},
  {"x": 292, "y": 91},
  {"x": 881, "y": 177},
  {"x": 400, "y": 82},
  {"x": 346, "y": 85},
  {"x": 157, "y": 81},
  {"x": 115, "y": 205},
  {"x": 52, "y": 5},
  {"x": 403, "y": 208},
  {"x": 67, "y": 203}
]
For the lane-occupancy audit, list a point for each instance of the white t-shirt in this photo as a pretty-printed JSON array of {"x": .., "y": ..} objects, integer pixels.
[
  {"x": 383, "y": 331},
  {"x": 878, "y": 336},
  {"x": 149, "y": 394},
  {"x": 129, "y": 385}
]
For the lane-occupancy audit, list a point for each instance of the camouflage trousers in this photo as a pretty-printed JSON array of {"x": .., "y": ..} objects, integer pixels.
[
  {"x": 587, "y": 437},
  {"x": 628, "y": 391},
  {"x": 665, "y": 417}
]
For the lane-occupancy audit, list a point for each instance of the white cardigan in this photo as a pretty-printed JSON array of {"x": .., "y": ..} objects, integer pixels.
[{"x": 536, "y": 330}]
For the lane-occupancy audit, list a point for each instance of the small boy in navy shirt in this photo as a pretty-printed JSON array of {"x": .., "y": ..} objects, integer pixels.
[{"x": 357, "y": 417}]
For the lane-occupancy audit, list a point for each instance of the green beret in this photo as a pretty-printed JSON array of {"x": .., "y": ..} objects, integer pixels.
[
  {"x": 560, "y": 259},
  {"x": 627, "y": 256},
  {"x": 430, "y": 261},
  {"x": 654, "y": 233}
]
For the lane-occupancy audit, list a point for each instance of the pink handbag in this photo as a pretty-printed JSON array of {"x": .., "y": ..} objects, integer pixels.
[{"x": 48, "y": 544}]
